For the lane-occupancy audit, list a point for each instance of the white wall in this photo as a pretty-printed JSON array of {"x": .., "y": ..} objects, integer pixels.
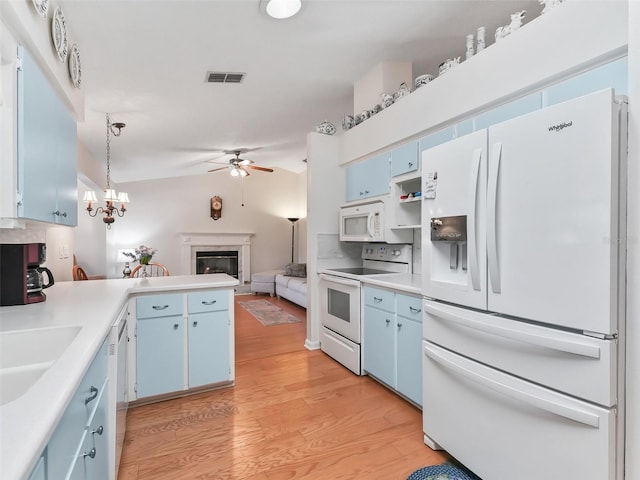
[
  {"x": 89, "y": 237},
  {"x": 160, "y": 209}
]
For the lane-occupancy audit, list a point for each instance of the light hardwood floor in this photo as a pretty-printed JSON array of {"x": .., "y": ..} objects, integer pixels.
[{"x": 293, "y": 414}]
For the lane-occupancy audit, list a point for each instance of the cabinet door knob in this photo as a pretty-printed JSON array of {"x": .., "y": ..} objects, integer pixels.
[
  {"x": 93, "y": 393},
  {"x": 388, "y": 321},
  {"x": 92, "y": 453},
  {"x": 399, "y": 325},
  {"x": 175, "y": 326},
  {"x": 58, "y": 213},
  {"x": 195, "y": 324},
  {"x": 98, "y": 430},
  {"x": 160, "y": 307},
  {"x": 410, "y": 164}
]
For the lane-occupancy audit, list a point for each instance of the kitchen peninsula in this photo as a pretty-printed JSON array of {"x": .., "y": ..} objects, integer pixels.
[{"x": 87, "y": 310}]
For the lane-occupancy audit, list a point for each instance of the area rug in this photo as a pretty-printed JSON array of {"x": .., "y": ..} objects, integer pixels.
[
  {"x": 267, "y": 313},
  {"x": 444, "y": 471}
]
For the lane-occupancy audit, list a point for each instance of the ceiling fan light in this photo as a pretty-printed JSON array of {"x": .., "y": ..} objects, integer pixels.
[
  {"x": 245, "y": 162},
  {"x": 243, "y": 172},
  {"x": 281, "y": 9},
  {"x": 235, "y": 172}
]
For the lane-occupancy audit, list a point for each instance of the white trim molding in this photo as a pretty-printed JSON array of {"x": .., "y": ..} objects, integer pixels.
[{"x": 192, "y": 242}]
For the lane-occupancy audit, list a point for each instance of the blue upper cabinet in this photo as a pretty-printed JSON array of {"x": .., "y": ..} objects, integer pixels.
[
  {"x": 433, "y": 139},
  {"x": 521, "y": 106},
  {"x": 46, "y": 148},
  {"x": 368, "y": 179},
  {"x": 612, "y": 75},
  {"x": 404, "y": 159}
]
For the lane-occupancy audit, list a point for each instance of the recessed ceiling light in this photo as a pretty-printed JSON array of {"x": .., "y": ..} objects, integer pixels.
[{"x": 283, "y": 8}]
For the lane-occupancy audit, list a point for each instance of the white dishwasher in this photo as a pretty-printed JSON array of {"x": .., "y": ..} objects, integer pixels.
[{"x": 118, "y": 398}]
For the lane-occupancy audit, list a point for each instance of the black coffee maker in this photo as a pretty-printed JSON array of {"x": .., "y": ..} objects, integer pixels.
[{"x": 21, "y": 276}]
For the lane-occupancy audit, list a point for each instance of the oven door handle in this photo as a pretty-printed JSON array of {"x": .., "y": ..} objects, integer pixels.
[{"x": 341, "y": 281}]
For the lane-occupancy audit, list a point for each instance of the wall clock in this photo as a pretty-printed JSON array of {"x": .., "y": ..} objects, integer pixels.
[{"x": 216, "y": 207}]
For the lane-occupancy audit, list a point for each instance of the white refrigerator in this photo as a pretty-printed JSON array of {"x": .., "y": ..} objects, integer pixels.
[{"x": 523, "y": 251}]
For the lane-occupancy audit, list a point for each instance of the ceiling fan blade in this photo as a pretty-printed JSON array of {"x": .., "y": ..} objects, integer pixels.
[
  {"x": 216, "y": 169},
  {"x": 244, "y": 170},
  {"x": 262, "y": 169}
]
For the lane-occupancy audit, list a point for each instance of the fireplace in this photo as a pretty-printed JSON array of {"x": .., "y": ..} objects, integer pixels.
[
  {"x": 217, "y": 261},
  {"x": 237, "y": 244}
]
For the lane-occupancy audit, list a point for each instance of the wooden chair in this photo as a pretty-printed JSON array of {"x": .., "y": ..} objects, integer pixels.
[
  {"x": 79, "y": 273},
  {"x": 154, "y": 269}
]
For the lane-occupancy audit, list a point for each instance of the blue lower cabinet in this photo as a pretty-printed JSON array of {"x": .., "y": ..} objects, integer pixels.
[
  {"x": 160, "y": 355},
  {"x": 409, "y": 381},
  {"x": 208, "y": 348},
  {"x": 379, "y": 358}
]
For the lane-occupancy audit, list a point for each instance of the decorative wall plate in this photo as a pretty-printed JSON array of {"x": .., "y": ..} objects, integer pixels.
[
  {"x": 59, "y": 34},
  {"x": 41, "y": 6},
  {"x": 75, "y": 69}
]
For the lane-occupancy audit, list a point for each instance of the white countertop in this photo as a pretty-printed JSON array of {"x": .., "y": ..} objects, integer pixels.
[
  {"x": 405, "y": 282},
  {"x": 27, "y": 422}
]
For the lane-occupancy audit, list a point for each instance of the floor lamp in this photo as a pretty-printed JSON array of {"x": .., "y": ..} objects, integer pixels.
[{"x": 293, "y": 221}]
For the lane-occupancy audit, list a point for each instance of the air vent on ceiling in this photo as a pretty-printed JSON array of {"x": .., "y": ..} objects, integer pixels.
[{"x": 224, "y": 77}]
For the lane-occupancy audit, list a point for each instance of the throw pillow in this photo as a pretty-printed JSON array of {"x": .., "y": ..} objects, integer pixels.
[{"x": 295, "y": 270}]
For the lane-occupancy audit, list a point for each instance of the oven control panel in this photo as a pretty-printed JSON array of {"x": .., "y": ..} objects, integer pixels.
[{"x": 390, "y": 253}]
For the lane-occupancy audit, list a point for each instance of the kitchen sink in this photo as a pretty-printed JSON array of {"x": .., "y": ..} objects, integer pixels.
[{"x": 26, "y": 354}]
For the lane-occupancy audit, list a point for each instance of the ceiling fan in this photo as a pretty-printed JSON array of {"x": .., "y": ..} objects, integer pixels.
[{"x": 240, "y": 166}]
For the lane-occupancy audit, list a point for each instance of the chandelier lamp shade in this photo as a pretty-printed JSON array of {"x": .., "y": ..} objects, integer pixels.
[{"x": 111, "y": 197}]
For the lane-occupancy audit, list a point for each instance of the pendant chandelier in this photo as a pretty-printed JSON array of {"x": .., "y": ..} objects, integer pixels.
[{"x": 110, "y": 195}]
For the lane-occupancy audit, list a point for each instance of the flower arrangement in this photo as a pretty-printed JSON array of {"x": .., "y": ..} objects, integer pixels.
[{"x": 143, "y": 254}]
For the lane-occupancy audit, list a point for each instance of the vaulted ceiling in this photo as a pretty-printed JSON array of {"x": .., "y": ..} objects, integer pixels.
[{"x": 145, "y": 62}]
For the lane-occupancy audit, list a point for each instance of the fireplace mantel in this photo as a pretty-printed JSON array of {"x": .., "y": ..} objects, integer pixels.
[{"x": 193, "y": 242}]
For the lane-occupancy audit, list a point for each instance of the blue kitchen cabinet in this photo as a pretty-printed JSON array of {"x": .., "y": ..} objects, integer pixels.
[
  {"x": 611, "y": 75},
  {"x": 521, "y": 106},
  {"x": 409, "y": 345},
  {"x": 404, "y": 159},
  {"x": 379, "y": 358},
  {"x": 392, "y": 340},
  {"x": 436, "y": 138},
  {"x": 166, "y": 325},
  {"x": 64, "y": 452},
  {"x": 209, "y": 349},
  {"x": 46, "y": 150},
  {"x": 368, "y": 179},
  {"x": 39, "y": 472},
  {"x": 159, "y": 357},
  {"x": 92, "y": 458}
]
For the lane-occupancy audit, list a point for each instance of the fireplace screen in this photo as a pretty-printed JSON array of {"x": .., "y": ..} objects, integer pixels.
[{"x": 217, "y": 262}]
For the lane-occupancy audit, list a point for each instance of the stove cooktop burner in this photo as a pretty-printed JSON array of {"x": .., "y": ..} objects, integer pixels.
[{"x": 359, "y": 271}]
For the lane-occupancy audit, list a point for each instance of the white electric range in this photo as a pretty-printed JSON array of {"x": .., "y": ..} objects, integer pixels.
[{"x": 341, "y": 303}]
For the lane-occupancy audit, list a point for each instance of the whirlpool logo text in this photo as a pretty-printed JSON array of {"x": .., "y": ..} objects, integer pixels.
[{"x": 560, "y": 126}]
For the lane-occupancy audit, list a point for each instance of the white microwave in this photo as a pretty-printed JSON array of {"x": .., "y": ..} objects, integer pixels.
[{"x": 362, "y": 223}]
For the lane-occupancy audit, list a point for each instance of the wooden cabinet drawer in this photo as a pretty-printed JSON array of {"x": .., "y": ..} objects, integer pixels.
[
  {"x": 409, "y": 307},
  {"x": 159, "y": 306},
  {"x": 379, "y": 298},
  {"x": 209, "y": 301}
]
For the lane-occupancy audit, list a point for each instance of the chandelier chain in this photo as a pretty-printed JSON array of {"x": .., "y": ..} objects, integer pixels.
[{"x": 108, "y": 151}]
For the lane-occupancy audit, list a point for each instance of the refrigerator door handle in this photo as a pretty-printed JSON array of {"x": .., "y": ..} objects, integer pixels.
[
  {"x": 571, "y": 413},
  {"x": 474, "y": 267},
  {"x": 576, "y": 348},
  {"x": 492, "y": 206}
]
